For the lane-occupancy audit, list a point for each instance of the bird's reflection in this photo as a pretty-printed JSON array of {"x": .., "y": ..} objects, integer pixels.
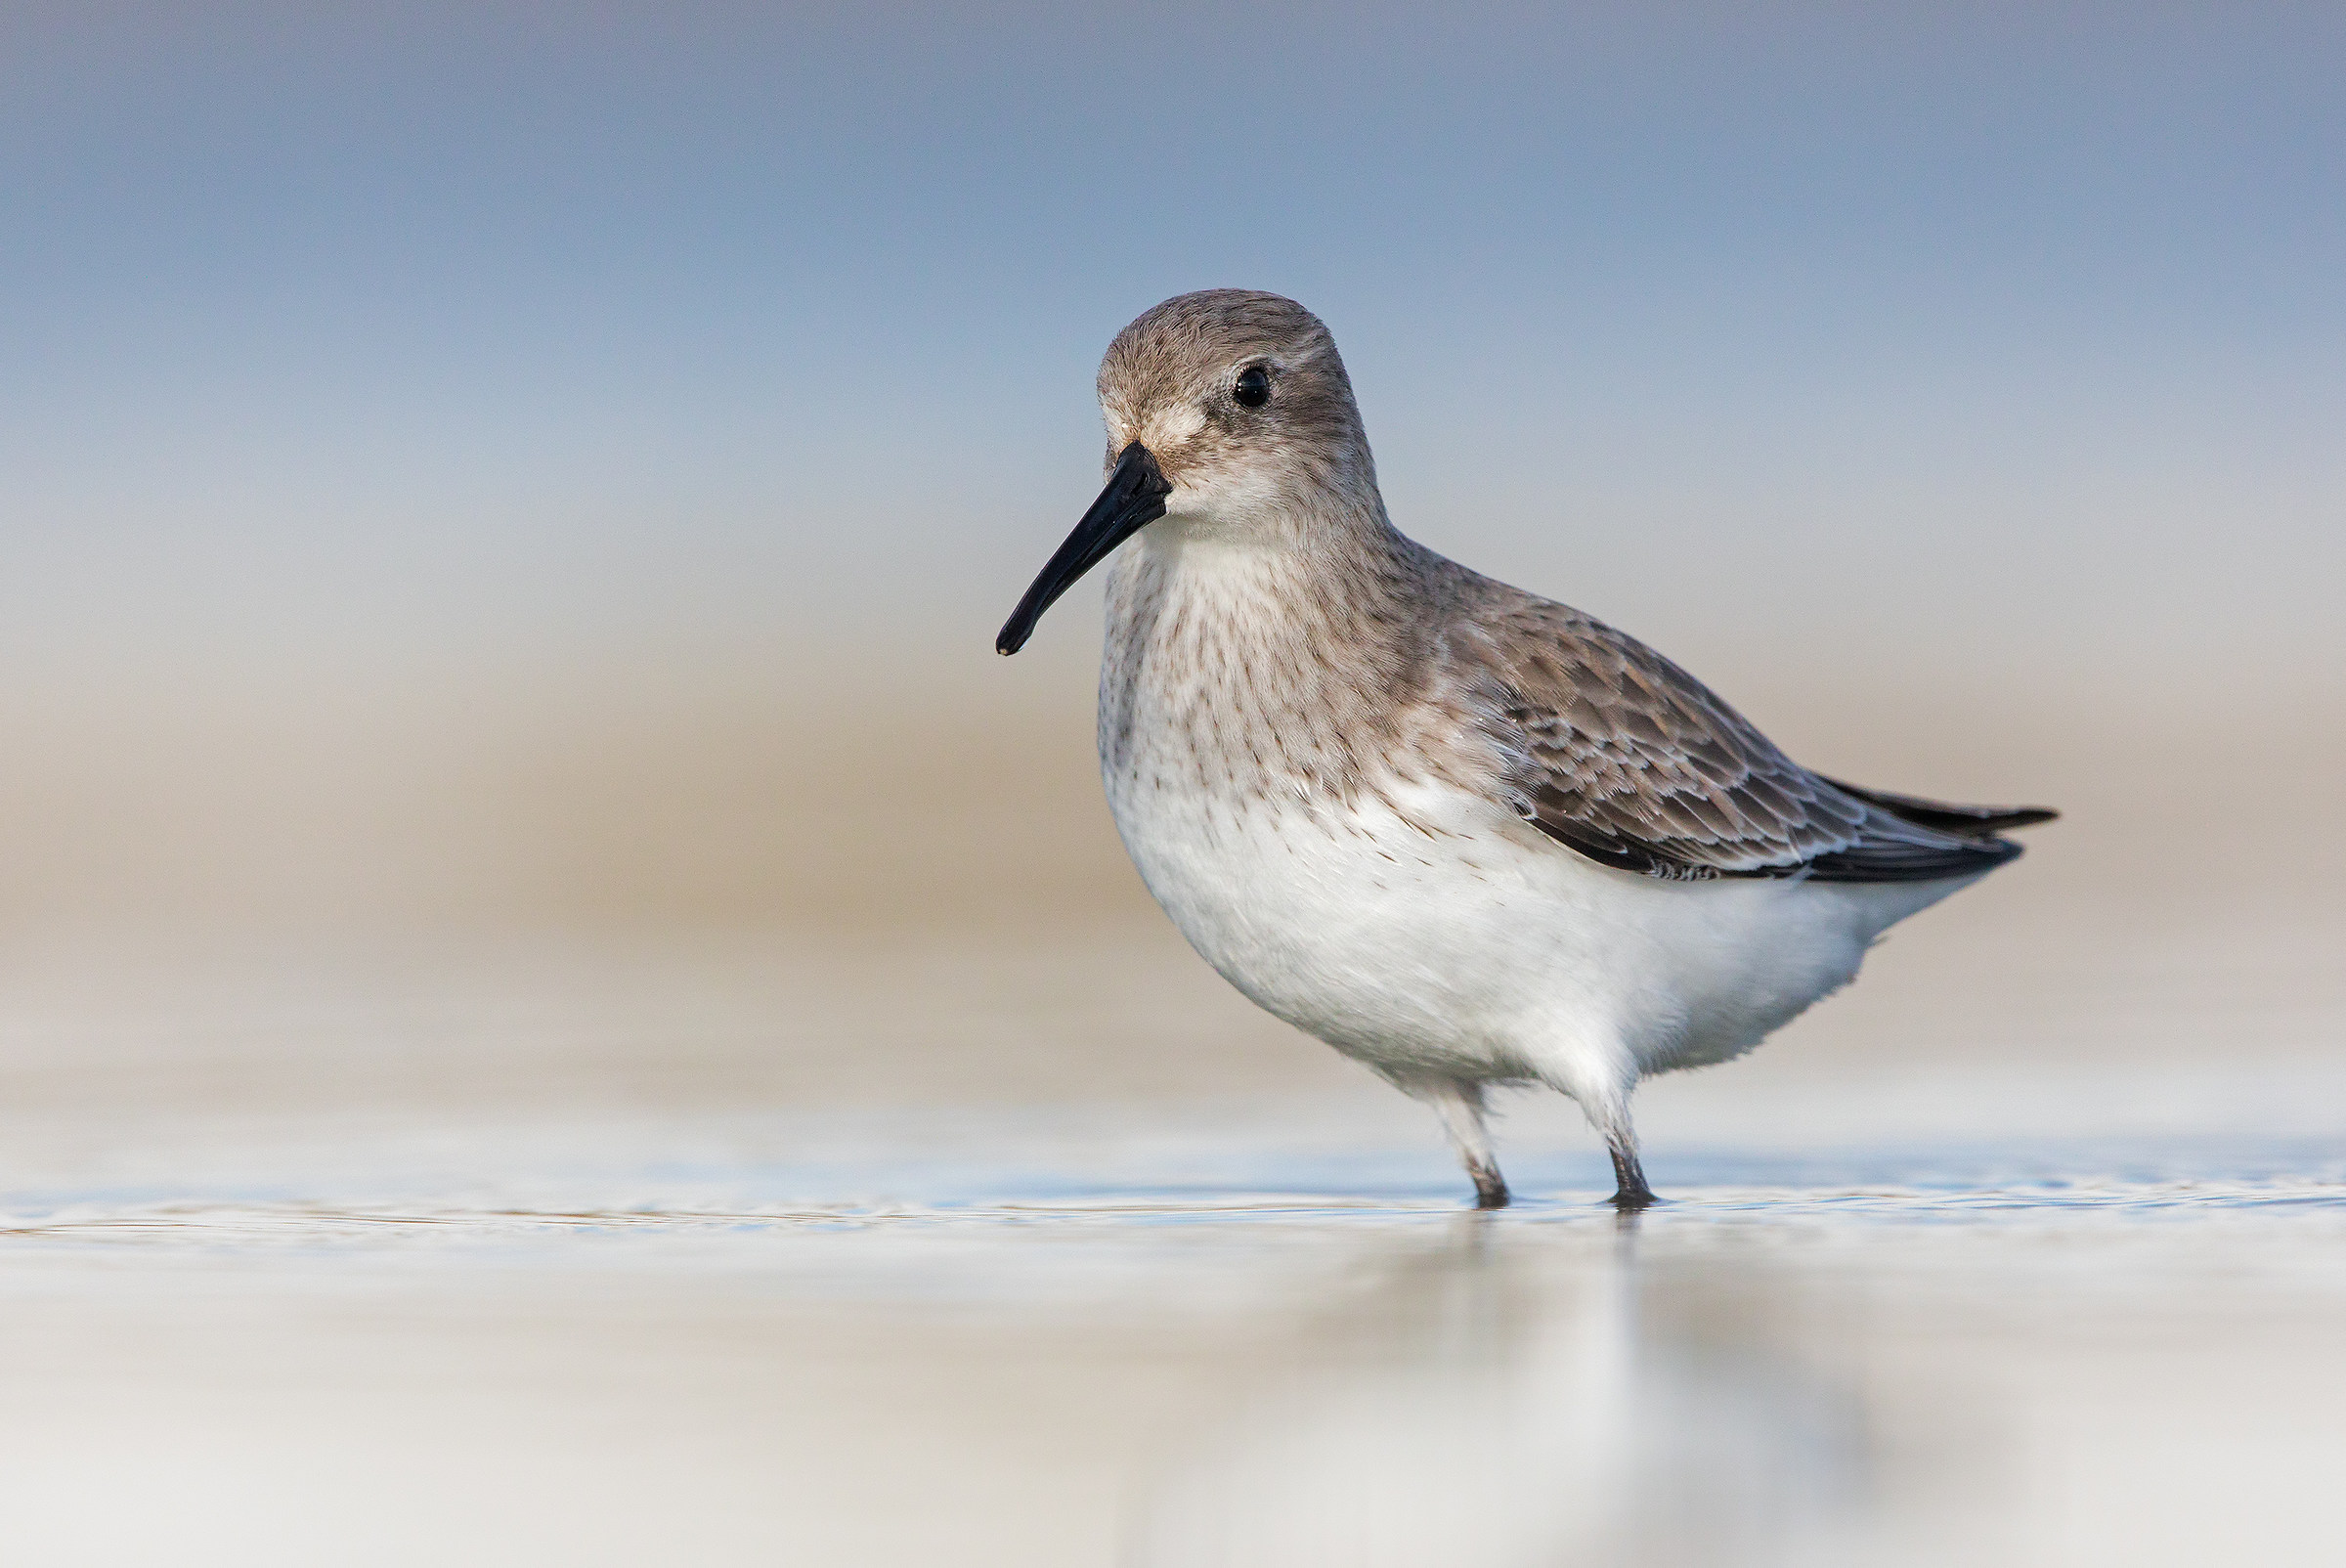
[{"x": 1523, "y": 1394}]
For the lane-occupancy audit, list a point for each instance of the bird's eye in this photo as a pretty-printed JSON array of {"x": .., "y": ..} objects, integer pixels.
[{"x": 1254, "y": 387}]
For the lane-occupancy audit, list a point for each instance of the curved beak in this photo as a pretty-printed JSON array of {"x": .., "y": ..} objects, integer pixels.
[{"x": 1133, "y": 498}]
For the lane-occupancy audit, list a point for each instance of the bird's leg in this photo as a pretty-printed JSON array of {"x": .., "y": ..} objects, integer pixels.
[
  {"x": 1489, "y": 1186},
  {"x": 1605, "y": 1101},
  {"x": 1630, "y": 1192},
  {"x": 1460, "y": 1104}
]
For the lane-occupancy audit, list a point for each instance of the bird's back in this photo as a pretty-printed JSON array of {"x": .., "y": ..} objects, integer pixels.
[{"x": 1623, "y": 756}]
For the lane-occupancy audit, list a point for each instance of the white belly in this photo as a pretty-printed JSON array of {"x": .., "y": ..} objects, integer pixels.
[{"x": 1481, "y": 949}]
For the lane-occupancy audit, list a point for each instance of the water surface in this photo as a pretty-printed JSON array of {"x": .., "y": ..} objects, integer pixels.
[{"x": 1182, "y": 1336}]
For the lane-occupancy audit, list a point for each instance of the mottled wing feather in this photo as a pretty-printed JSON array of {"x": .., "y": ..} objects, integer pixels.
[{"x": 1626, "y": 757}]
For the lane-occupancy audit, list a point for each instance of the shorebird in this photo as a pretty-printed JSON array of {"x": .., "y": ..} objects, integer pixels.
[{"x": 1467, "y": 835}]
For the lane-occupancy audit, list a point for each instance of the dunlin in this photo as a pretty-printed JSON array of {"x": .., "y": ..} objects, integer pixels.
[{"x": 1467, "y": 835}]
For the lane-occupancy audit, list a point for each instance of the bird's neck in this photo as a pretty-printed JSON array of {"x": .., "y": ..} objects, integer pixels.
[
  {"x": 1335, "y": 590},
  {"x": 1262, "y": 654}
]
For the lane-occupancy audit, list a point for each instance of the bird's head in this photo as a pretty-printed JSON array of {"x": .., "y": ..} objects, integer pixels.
[{"x": 1229, "y": 414}]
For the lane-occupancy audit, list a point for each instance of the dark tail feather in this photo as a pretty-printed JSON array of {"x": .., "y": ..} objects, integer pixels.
[
  {"x": 1901, "y": 859},
  {"x": 1964, "y": 821}
]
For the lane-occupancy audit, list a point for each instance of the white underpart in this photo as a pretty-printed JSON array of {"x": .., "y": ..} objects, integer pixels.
[
  {"x": 1438, "y": 937},
  {"x": 1488, "y": 953}
]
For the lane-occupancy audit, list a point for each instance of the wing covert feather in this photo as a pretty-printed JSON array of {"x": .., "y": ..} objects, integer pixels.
[{"x": 1626, "y": 757}]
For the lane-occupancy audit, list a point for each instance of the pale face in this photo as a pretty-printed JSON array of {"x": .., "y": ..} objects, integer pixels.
[{"x": 1221, "y": 435}]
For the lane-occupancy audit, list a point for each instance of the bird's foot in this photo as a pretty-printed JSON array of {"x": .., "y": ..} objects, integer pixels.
[{"x": 1489, "y": 1186}]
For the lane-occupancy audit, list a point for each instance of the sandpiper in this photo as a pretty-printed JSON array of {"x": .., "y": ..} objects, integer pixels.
[{"x": 1465, "y": 835}]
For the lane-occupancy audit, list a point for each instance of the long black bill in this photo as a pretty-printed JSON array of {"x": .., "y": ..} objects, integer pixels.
[{"x": 1134, "y": 497}]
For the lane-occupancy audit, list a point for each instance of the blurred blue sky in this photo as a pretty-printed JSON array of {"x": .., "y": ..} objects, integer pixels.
[{"x": 352, "y": 332}]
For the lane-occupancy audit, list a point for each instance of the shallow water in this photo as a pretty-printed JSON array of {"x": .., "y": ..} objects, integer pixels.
[{"x": 1120, "y": 1335}]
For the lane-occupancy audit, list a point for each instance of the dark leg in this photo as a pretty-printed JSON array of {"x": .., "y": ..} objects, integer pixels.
[
  {"x": 1631, "y": 1194},
  {"x": 1459, "y": 1103},
  {"x": 1489, "y": 1186}
]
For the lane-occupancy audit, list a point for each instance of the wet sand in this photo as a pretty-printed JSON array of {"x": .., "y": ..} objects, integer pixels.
[{"x": 618, "y": 1343}]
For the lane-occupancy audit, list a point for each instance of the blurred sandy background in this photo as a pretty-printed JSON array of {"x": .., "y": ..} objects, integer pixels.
[
  {"x": 503, "y": 518},
  {"x": 481, "y": 476}
]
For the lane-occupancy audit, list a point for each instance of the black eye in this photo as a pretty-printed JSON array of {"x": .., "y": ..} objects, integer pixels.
[{"x": 1254, "y": 387}]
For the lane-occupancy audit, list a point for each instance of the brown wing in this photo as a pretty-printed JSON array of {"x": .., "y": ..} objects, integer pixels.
[{"x": 1626, "y": 757}]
